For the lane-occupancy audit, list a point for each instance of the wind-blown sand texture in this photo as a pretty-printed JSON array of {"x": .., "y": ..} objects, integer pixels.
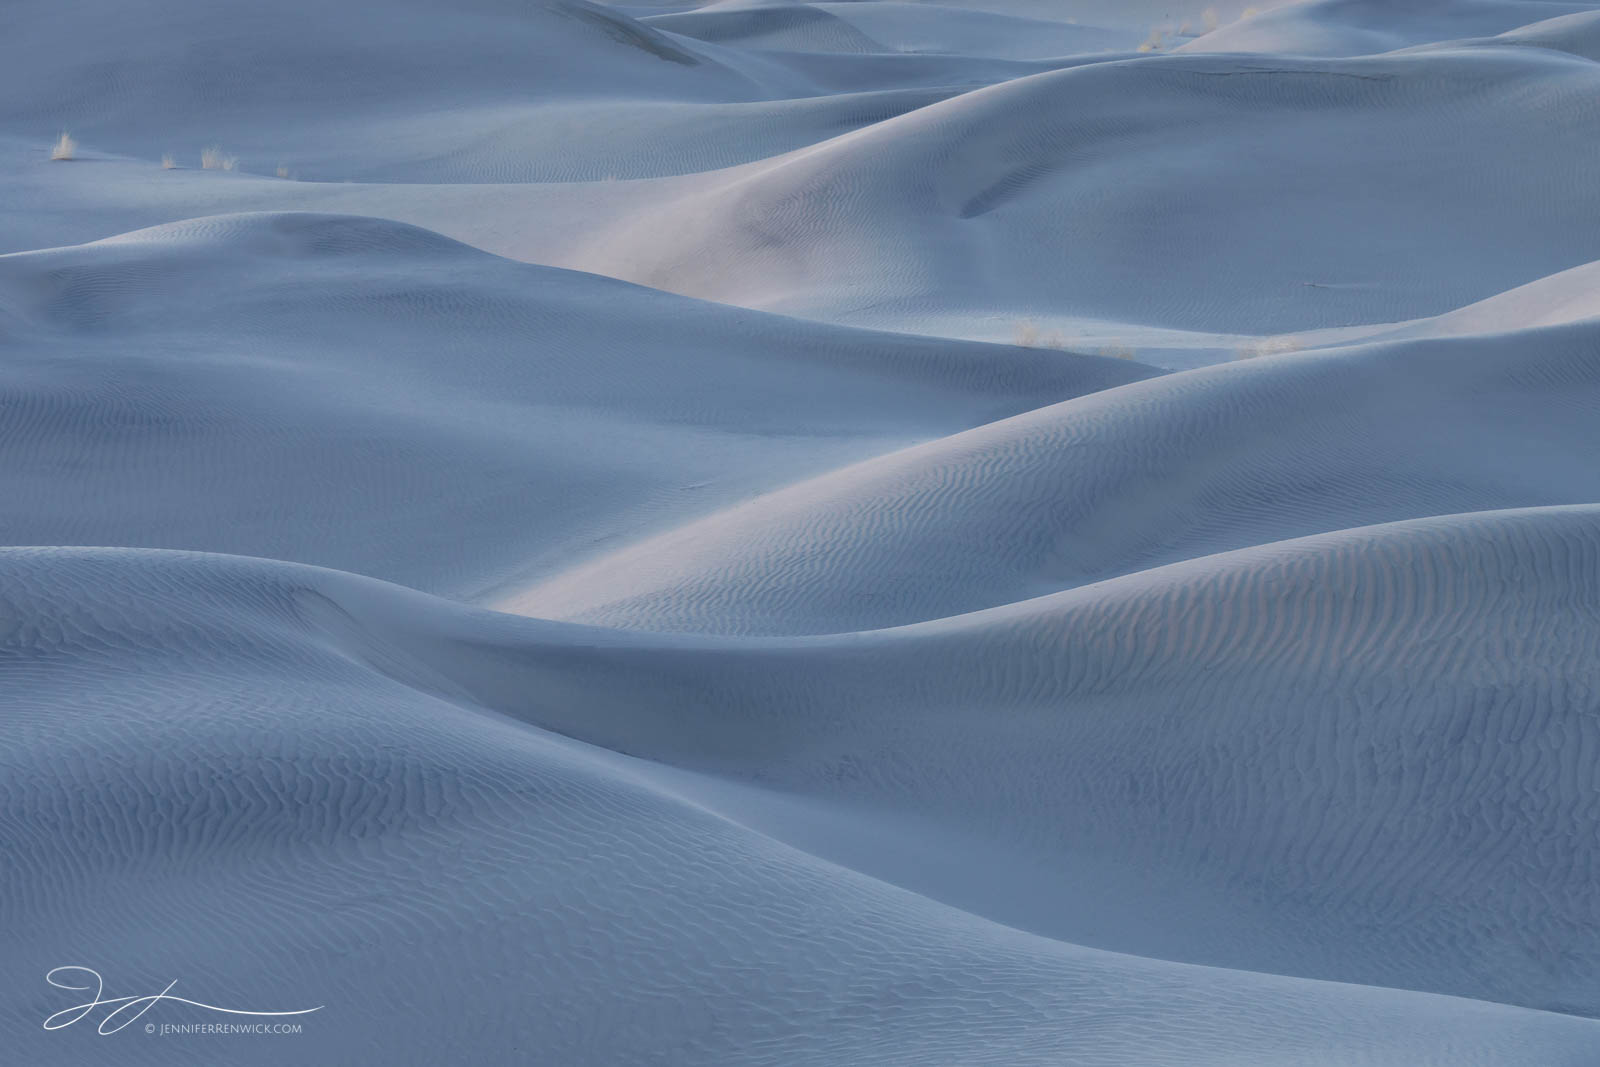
[{"x": 990, "y": 532}]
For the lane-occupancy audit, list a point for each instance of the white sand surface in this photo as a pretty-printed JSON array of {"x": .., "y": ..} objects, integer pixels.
[{"x": 1055, "y": 532}]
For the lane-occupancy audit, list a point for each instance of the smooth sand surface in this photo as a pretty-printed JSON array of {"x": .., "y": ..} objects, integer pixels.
[{"x": 989, "y": 532}]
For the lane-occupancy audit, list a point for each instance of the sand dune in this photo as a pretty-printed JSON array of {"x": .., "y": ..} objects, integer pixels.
[
  {"x": 400, "y": 839},
  {"x": 1184, "y": 191},
  {"x": 1052, "y": 203},
  {"x": 412, "y": 395},
  {"x": 766, "y": 532},
  {"x": 299, "y": 62},
  {"x": 788, "y": 27},
  {"x": 1147, "y": 747},
  {"x": 893, "y": 27},
  {"x": 1577, "y": 33},
  {"x": 1141, "y": 476},
  {"x": 1364, "y": 27}
]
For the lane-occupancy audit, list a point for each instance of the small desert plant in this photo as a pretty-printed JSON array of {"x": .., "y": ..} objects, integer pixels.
[
  {"x": 283, "y": 170},
  {"x": 212, "y": 159},
  {"x": 65, "y": 147},
  {"x": 167, "y": 162},
  {"x": 1278, "y": 345},
  {"x": 1027, "y": 334},
  {"x": 1118, "y": 352}
]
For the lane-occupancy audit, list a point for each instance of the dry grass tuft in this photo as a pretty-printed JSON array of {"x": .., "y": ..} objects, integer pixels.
[
  {"x": 65, "y": 147},
  {"x": 1027, "y": 334},
  {"x": 213, "y": 159},
  {"x": 1278, "y": 345}
]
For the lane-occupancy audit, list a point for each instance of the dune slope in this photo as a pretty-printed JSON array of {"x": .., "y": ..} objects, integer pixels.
[
  {"x": 399, "y": 837},
  {"x": 1119, "y": 481},
  {"x": 432, "y": 411}
]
